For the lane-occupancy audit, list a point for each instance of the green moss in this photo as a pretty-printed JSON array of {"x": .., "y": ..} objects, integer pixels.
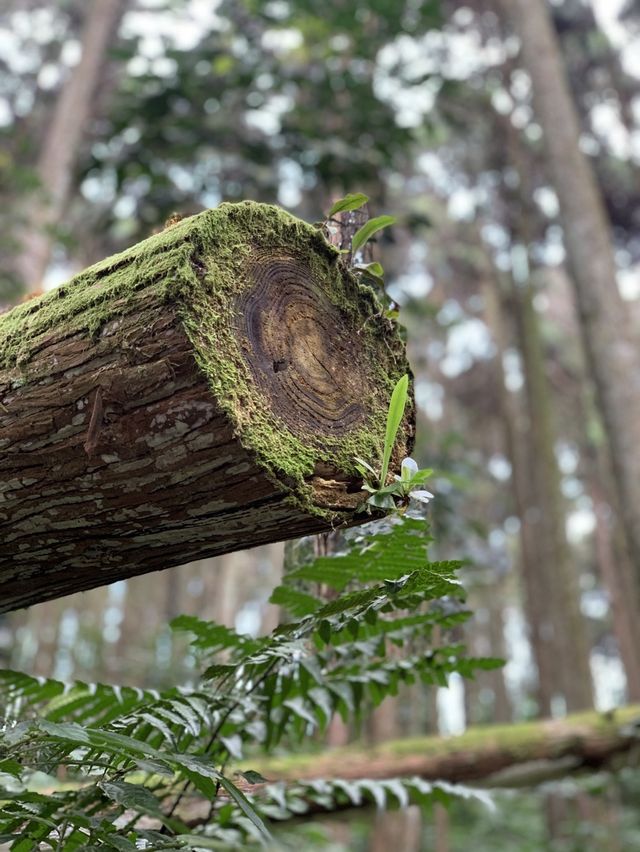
[
  {"x": 517, "y": 738},
  {"x": 94, "y": 297},
  {"x": 199, "y": 265}
]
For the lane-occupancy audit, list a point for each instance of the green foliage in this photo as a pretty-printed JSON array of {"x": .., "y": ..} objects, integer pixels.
[
  {"x": 397, "y": 494},
  {"x": 126, "y": 764},
  {"x": 362, "y": 237},
  {"x": 189, "y": 138},
  {"x": 352, "y": 201},
  {"x": 394, "y": 417}
]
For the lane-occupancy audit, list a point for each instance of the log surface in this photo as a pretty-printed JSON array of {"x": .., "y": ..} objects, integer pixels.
[
  {"x": 514, "y": 755},
  {"x": 203, "y": 392},
  {"x": 490, "y": 756}
]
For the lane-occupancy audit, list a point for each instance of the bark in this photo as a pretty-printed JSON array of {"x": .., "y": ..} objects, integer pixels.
[
  {"x": 610, "y": 343},
  {"x": 441, "y": 829},
  {"x": 519, "y": 754},
  {"x": 63, "y": 139},
  {"x": 203, "y": 392},
  {"x": 562, "y": 594},
  {"x": 533, "y": 568},
  {"x": 400, "y": 829},
  {"x": 486, "y": 637},
  {"x": 613, "y": 565}
]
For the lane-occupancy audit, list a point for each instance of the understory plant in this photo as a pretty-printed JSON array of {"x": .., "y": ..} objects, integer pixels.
[
  {"x": 89, "y": 766},
  {"x": 398, "y": 494}
]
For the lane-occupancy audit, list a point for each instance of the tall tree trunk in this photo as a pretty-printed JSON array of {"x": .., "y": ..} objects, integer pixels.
[
  {"x": 61, "y": 144},
  {"x": 613, "y": 565},
  {"x": 271, "y": 612},
  {"x": 570, "y": 645},
  {"x": 401, "y": 830},
  {"x": 534, "y": 570},
  {"x": 441, "y": 828},
  {"x": 611, "y": 346},
  {"x": 485, "y": 637},
  {"x": 502, "y": 711}
]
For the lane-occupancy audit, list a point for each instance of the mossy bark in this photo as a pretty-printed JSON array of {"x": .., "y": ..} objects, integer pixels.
[
  {"x": 202, "y": 392},
  {"x": 517, "y": 754}
]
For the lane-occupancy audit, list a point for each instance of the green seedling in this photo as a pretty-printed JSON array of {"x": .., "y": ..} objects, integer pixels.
[
  {"x": 407, "y": 486},
  {"x": 353, "y": 201},
  {"x": 361, "y": 237}
]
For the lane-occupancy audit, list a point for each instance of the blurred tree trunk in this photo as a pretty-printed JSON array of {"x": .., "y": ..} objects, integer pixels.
[
  {"x": 533, "y": 568},
  {"x": 226, "y": 599},
  {"x": 62, "y": 141},
  {"x": 610, "y": 553},
  {"x": 271, "y": 612},
  {"x": 485, "y": 637},
  {"x": 441, "y": 827},
  {"x": 611, "y": 346},
  {"x": 399, "y": 830},
  {"x": 393, "y": 829},
  {"x": 556, "y": 818},
  {"x": 569, "y": 628},
  {"x": 338, "y": 731},
  {"x": 495, "y": 678},
  {"x": 617, "y": 578}
]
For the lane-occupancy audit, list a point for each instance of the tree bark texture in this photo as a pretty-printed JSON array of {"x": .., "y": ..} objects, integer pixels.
[
  {"x": 202, "y": 392},
  {"x": 610, "y": 343},
  {"x": 562, "y": 596},
  {"x": 535, "y": 571}
]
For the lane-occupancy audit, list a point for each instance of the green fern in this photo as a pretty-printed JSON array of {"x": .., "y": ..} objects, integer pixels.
[{"x": 132, "y": 757}]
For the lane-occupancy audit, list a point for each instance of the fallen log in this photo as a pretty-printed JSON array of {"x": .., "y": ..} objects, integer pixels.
[
  {"x": 518, "y": 754},
  {"x": 521, "y": 754},
  {"x": 202, "y": 392}
]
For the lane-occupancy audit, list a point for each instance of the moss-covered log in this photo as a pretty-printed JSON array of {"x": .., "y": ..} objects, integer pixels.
[
  {"x": 518, "y": 754},
  {"x": 204, "y": 391}
]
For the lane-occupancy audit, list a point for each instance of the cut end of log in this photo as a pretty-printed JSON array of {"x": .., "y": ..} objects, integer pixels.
[
  {"x": 303, "y": 356},
  {"x": 308, "y": 361},
  {"x": 239, "y": 369}
]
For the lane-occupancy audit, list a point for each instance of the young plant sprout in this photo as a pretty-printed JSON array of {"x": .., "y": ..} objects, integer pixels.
[
  {"x": 371, "y": 274},
  {"x": 406, "y": 487}
]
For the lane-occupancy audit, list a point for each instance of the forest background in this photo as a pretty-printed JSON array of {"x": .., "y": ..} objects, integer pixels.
[{"x": 117, "y": 113}]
